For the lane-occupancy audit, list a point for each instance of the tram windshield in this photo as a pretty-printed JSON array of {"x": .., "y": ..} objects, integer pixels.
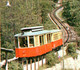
[{"x": 23, "y": 42}]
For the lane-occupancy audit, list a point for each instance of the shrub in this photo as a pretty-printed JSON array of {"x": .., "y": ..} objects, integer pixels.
[
  {"x": 15, "y": 65},
  {"x": 71, "y": 50},
  {"x": 55, "y": 1},
  {"x": 78, "y": 42},
  {"x": 78, "y": 48},
  {"x": 51, "y": 59}
]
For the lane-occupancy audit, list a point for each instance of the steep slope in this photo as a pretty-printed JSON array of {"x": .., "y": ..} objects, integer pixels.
[{"x": 23, "y": 13}]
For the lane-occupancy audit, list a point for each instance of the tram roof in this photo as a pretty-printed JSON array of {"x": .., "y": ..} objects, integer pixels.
[
  {"x": 27, "y": 28},
  {"x": 37, "y": 33}
]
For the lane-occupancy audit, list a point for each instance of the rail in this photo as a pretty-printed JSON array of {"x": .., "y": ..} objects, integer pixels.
[{"x": 59, "y": 23}]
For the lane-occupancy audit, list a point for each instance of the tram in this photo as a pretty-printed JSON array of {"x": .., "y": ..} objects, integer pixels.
[{"x": 35, "y": 41}]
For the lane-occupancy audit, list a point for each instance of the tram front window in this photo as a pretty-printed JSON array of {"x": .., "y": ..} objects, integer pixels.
[{"x": 23, "y": 42}]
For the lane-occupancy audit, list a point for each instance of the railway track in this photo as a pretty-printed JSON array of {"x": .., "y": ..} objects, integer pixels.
[{"x": 66, "y": 32}]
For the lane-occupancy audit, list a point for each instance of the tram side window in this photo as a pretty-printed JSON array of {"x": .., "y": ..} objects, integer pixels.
[
  {"x": 41, "y": 38},
  {"x": 16, "y": 42},
  {"x": 55, "y": 36},
  {"x": 48, "y": 38},
  {"x": 26, "y": 42},
  {"x": 31, "y": 41},
  {"x": 23, "y": 42}
]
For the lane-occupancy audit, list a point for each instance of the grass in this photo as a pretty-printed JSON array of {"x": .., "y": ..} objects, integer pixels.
[
  {"x": 77, "y": 29},
  {"x": 49, "y": 25},
  {"x": 60, "y": 15},
  {"x": 43, "y": 67}
]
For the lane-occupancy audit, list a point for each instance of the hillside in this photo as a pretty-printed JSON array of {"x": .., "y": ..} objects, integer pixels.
[
  {"x": 71, "y": 14},
  {"x": 32, "y": 13},
  {"x": 23, "y": 13}
]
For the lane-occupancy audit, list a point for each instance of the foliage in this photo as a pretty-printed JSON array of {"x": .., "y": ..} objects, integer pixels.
[
  {"x": 0, "y": 68},
  {"x": 66, "y": 13},
  {"x": 71, "y": 13},
  {"x": 15, "y": 65},
  {"x": 45, "y": 9},
  {"x": 78, "y": 44},
  {"x": 71, "y": 50},
  {"x": 51, "y": 59},
  {"x": 43, "y": 67},
  {"x": 55, "y": 1},
  {"x": 49, "y": 25},
  {"x": 78, "y": 48},
  {"x": 77, "y": 29},
  {"x": 22, "y": 13}
]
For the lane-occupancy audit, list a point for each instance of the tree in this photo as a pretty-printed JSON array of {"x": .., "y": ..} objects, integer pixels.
[
  {"x": 70, "y": 12},
  {"x": 45, "y": 9},
  {"x": 66, "y": 10}
]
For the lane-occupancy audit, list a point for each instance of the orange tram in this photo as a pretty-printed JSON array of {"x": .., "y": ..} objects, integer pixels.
[{"x": 35, "y": 41}]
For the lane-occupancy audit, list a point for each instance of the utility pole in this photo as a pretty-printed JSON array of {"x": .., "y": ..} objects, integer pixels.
[
  {"x": 63, "y": 45},
  {"x": 0, "y": 35},
  {"x": 0, "y": 30}
]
